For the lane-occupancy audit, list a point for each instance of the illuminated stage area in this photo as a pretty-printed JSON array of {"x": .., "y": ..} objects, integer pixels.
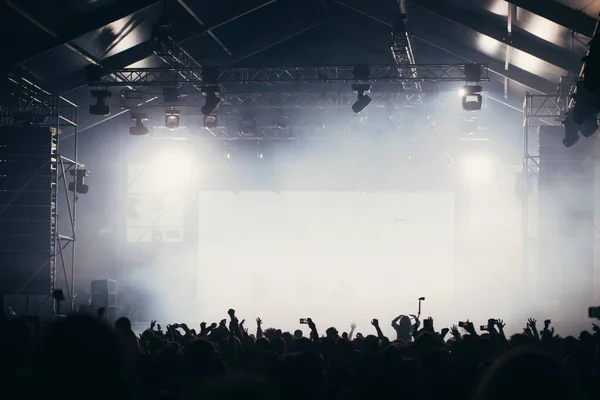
[{"x": 339, "y": 233}]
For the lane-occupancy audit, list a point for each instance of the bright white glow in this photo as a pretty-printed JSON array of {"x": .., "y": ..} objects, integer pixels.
[
  {"x": 478, "y": 168},
  {"x": 545, "y": 29},
  {"x": 488, "y": 46},
  {"x": 173, "y": 170},
  {"x": 124, "y": 35},
  {"x": 462, "y": 92},
  {"x": 499, "y": 7},
  {"x": 532, "y": 64}
]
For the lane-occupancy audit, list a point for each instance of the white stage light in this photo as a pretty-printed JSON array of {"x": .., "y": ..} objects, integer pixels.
[
  {"x": 173, "y": 170},
  {"x": 462, "y": 92},
  {"x": 478, "y": 168}
]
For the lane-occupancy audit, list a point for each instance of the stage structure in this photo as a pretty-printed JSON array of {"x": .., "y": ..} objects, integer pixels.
[
  {"x": 98, "y": 77},
  {"x": 35, "y": 115},
  {"x": 551, "y": 221}
]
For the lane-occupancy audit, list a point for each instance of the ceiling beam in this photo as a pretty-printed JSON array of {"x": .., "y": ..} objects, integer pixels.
[
  {"x": 495, "y": 28},
  {"x": 229, "y": 20},
  {"x": 208, "y": 31},
  {"x": 70, "y": 30},
  {"x": 265, "y": 45},
  {"x": 561, "y": 14},
  {"x": 446, "y": 44}
]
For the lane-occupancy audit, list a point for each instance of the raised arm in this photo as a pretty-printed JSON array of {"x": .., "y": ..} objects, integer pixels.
[
  {"x": 314, "y": 334},
  {"x": 375, "y": 323},
  {"x": 352, "y": 328},
  {"x": 259, "y": 332}
]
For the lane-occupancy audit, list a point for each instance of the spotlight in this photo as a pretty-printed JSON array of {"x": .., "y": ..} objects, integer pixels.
[
  {"x": 211, "y": 121},
  {"x": 248, "y": 126},
  {"x": 363, "y": 100},
  {"x": 100, "y": 108},
  {"x": 471, "y": 98},
  {"x": 212, "y": 100},
  {"x": 259, "y": 153},
  {"x": 139, "y": 129},
  {"x": 230, "y": 152},
  {"x": 283, "y": 121},
  {"x": 78, "y": 185},
  {"x": 172, "y": 119}
]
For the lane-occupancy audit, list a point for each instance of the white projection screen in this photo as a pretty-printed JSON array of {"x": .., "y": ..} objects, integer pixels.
[{"x": 337, "y": 257}]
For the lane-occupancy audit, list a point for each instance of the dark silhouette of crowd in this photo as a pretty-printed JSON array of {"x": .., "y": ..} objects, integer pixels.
[{"x": 82, "y": 356}]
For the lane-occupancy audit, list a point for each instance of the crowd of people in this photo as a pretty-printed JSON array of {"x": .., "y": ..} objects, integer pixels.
[{"x": 87, "y": 356}]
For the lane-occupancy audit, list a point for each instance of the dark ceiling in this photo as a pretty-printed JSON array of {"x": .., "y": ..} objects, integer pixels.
[{"x": 52, "y": 41}]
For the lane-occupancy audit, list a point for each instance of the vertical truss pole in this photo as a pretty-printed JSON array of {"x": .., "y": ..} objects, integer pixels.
[
  {"x": 74, "y": 202},
  {"x": 525, "y": 195},
  {"x": 56, "y": 244}
]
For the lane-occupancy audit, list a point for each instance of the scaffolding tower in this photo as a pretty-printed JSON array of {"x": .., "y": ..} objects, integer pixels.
[{"x": 24, "y": 104}]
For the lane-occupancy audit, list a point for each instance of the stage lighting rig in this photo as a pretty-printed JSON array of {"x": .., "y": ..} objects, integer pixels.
[
  {"x": 78, "y": 185},
  {"x": 100, "y": 108},
  {"x": 213, "y": 100},
  {"x": 283, "y": 121},
  {"x": 472, "y": 100},
  {"x": 211, "y": 121},
  {"x": 139, "y": 129},
  {"x": 582, "y": 116},
  {"x": 171, "y": 119},
  {"x": 363, "y": 100},
  {"x": 248, "y": 126},
  {"x": 259, "y": 152}
]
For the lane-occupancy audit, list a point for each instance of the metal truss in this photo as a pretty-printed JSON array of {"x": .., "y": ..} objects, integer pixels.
[
  {"x": 325, "y": 74},
  {"x": 538, "y": 110},
  {"x": 402, "y": 47},
  {"x": 23, "y": 104},
  {"x": 274, "y": 133},
  {"x": 285, "y": 100}
]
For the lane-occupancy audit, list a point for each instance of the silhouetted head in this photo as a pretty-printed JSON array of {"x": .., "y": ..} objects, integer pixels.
[
  {"x": 525, "y": 374},
  {"x": 123, "y": 323},
  {"x": 332, "y": 333}
]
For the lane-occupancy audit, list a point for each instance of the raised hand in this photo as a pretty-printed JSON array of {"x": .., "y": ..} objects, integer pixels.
[
  {"x": 527, "y": 331},
  {"x": 152, "y": 324},
  {"x": 231, "y": 312},
  {"x": 158, "y": 327},
  {"x": 242, "y": 323},
  {"x": 375, "y": 322},
  {"x": 203, "y": 326},
  {"x": 500, "y": 324},
  {"x": 258, "y": 322},
  {"x": 444, "y": 332},
  {"x": 531, "y": 323},
  {"x": 352, "y": 326}
]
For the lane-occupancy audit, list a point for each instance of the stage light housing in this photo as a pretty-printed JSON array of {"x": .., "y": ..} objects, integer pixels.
[
  {"x": 363, "y": 100},
  {"x": 100, "y": 108},
  {"x": 172, "y": 119},
  {"x": 283, "y": 121},
  {"x": 212, "y": 102},
  {"x": 139, "y": 129},
  {"x": 78, "y": 185},
  {"x": 472, "y": 100},
  {"x": 211, "y": 121}
]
